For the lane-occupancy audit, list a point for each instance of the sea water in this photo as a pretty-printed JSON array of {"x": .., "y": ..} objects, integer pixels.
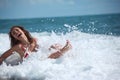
[{"x": 95, "y": 53}]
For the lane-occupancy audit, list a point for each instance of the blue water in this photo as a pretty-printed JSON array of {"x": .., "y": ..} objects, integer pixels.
[
  {"x": 98, "y": 24},
  {"x": 95, "y": 54}
]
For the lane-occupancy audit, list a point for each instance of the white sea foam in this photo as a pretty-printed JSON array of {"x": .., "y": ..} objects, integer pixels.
[{"x": 93, "y": 57}]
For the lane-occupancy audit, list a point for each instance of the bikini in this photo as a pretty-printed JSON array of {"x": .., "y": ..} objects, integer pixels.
[
  {"x": 26, "y": 51},
  {"x": 15, "y": 58}
]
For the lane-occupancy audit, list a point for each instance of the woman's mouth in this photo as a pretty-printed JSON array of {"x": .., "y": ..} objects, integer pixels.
[{"x": 19, "y": 35}]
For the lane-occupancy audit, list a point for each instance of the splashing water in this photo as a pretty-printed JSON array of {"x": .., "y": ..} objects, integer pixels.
[{"x": 93, "y": 57}]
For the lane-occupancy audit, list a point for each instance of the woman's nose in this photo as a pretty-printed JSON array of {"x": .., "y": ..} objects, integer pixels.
[{"x": 15, "y": 31}]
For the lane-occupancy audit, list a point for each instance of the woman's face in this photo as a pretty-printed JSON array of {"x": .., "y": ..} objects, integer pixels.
[{"x": 17, "y": 33}]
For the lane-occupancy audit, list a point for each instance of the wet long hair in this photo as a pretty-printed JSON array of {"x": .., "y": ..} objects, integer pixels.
[{"x": 14, "y": 41}]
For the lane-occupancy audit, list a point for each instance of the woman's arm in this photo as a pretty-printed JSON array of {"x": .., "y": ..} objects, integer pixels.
[
  {"x": 34, "y": 46},
  {"x": 6, "y": 54}
]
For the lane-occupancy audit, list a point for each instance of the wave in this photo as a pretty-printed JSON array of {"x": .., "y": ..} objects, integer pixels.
[{"x": 93, "y": 57}]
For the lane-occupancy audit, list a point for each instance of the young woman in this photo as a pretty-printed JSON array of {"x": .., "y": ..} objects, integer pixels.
[{"x": 23, "y": 44}]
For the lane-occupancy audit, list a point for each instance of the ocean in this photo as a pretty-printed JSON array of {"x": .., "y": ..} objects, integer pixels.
[
  {"x": 95, "y": 53},
  {"x": 98, "y": 24}
]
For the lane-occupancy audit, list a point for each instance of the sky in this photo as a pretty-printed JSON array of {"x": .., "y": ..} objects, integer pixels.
[{"x": 11, "y": 9}]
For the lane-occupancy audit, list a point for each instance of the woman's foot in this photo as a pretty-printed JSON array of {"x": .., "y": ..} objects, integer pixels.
[
  {"x": 66, "y": 47},
  {"x": 56, "y": 46}
]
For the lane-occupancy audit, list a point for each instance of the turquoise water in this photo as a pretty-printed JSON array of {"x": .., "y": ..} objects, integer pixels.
[{"x": 98, "y": 24}]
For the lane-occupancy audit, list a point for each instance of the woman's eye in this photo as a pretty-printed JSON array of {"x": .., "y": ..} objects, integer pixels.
[
  {"x": 13, "y": 33},
  {"x": 17, "y": 30}
]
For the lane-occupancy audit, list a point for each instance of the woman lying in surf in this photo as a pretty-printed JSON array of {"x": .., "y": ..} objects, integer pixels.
[{"x": 23, "y": 43}]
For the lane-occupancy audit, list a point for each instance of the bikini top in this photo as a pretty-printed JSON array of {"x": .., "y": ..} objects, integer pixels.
[
  {"x": 15, "y": 58},
  {"x": 26, "y": 51}
]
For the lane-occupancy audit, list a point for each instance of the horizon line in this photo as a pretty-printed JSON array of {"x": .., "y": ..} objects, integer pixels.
[{"x": 60, "y": 16}]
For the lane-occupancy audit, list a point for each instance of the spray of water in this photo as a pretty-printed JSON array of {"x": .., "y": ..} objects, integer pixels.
[{"x": 93, "y": 57}]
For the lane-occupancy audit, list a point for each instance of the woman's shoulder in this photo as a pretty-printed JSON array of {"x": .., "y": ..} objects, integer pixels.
[
  {"x": 17, "y": 47},
  {"x": 35, "y": 39},
  {"x": 14, "y": 48}
]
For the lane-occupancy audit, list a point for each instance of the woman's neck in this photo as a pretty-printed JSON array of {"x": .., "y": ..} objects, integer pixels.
[{"x": 25, "y": 42}]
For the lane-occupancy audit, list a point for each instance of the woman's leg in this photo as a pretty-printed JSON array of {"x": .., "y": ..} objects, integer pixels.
[{"x": 61, "y": 51}]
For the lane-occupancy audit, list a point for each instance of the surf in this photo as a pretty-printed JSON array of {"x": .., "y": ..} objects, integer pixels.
[{"x": 93, "y": 56}]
